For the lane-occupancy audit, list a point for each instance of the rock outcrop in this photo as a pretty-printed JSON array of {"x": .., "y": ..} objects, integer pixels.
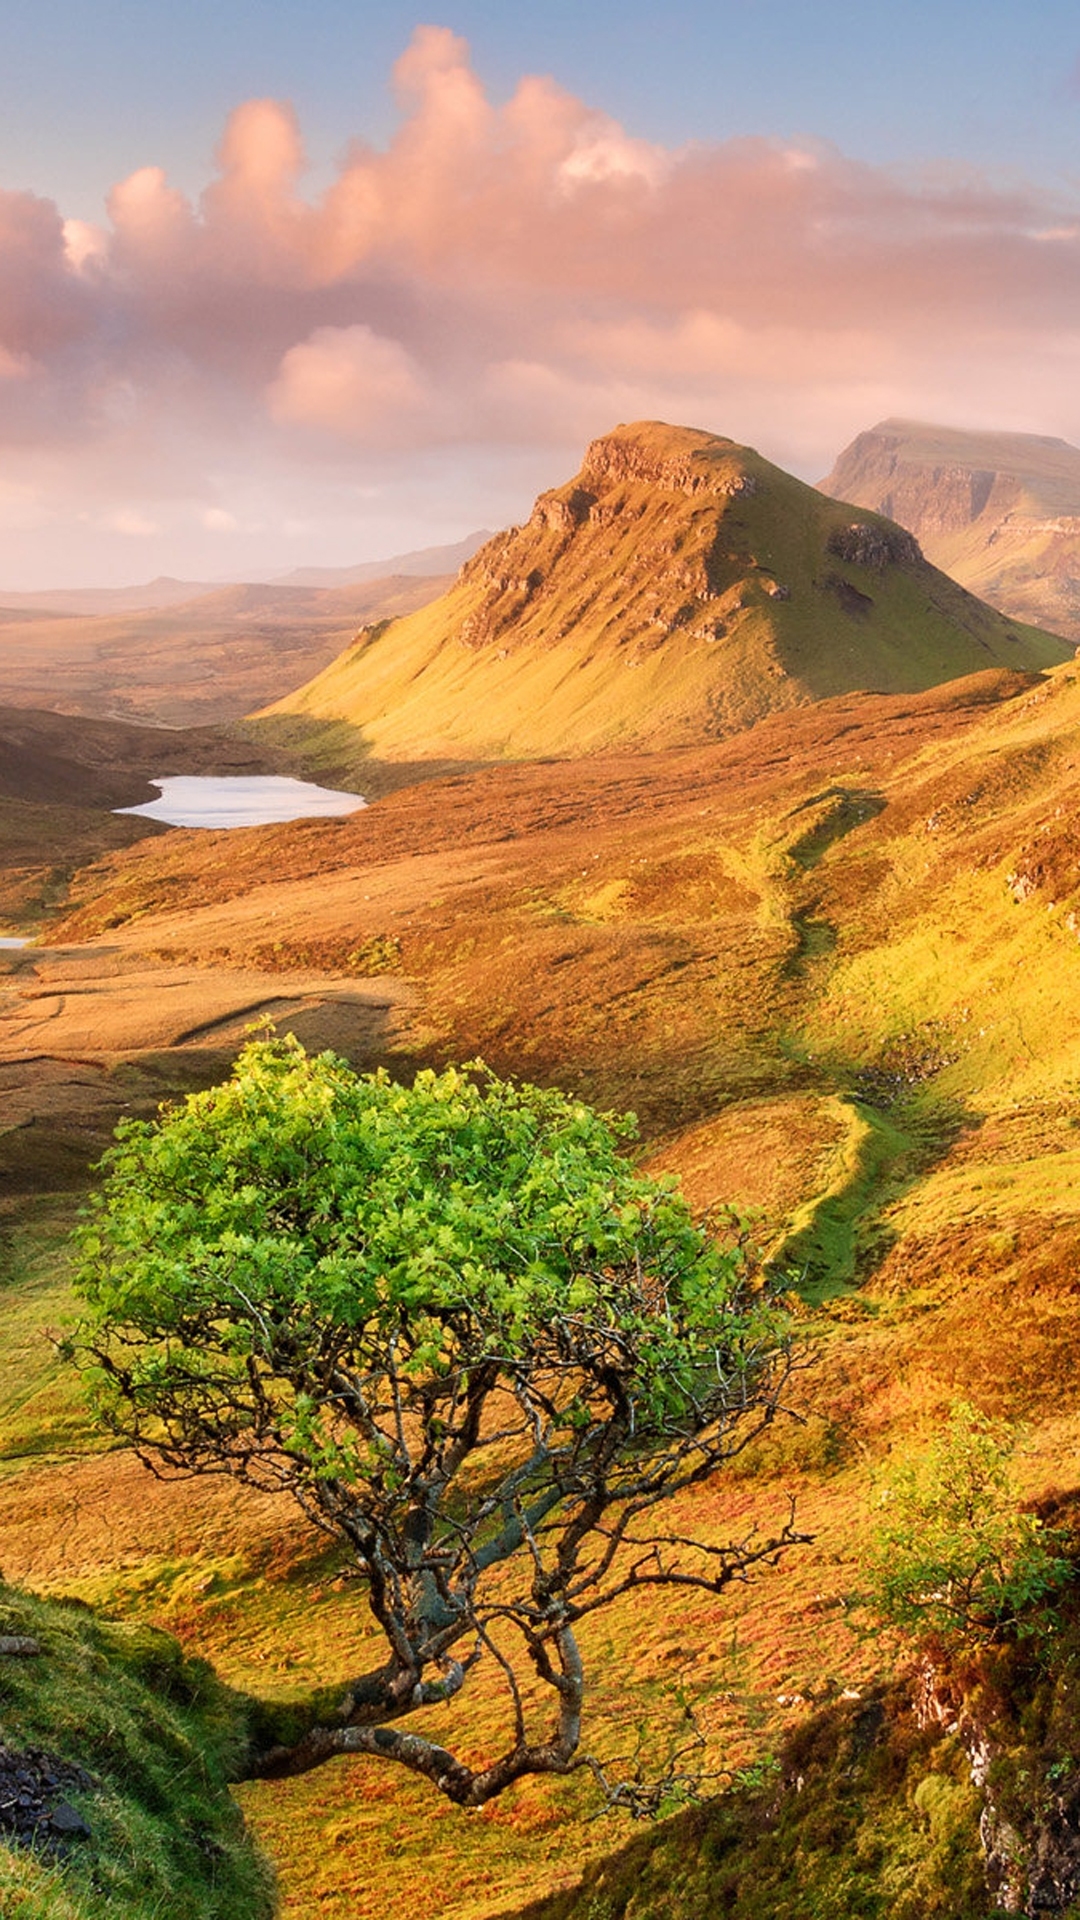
[
  {"x": 1032, "y": 1863},
  {"x": 33, "y": 1809}
]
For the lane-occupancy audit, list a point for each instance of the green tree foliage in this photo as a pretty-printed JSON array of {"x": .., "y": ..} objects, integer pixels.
[
  {"x": 459, "y": 1328},
  {"x": 951, "y": 1553}
]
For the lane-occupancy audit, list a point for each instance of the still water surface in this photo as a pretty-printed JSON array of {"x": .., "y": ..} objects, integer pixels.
[{"x": 241, "y": 800}]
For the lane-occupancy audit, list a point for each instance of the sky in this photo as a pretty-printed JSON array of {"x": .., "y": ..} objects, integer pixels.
[{"x": 285, "y": 286}]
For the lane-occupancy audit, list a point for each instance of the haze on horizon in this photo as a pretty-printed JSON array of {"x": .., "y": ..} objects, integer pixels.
[{"x": 394, "y": 305}]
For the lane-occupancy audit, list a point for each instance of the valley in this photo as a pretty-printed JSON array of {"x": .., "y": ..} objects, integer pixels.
[
  {"x": 804, "y": 895},
  {"x": 201, "y": 660}
]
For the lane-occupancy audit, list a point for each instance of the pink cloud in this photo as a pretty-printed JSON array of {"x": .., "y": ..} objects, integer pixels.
[
  {"x": 41, "y": 307},
  {"x": 351, "y": 382},
  {"x": 517, "y": 274}
]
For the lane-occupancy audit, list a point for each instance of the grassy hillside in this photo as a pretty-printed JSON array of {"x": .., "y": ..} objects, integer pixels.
[
  {"x": 863, "y": 1816},
  {"x": 114, "y": 1756},
  {"x": 61, "y": 777},
  {"x": 1000, "y": 512},
  {"x": 833, "y": 964},
  {"x": 679, "y": 588},
  {"x": 869, "y": 1811}
]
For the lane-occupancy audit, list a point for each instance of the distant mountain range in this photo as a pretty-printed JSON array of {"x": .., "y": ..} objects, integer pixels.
[
  {"x": 1000, "y": 512},
  {"x": 678, "y": 588},
  {"x": 154, "y": 595},
  {"x": 421, "y": 564}
]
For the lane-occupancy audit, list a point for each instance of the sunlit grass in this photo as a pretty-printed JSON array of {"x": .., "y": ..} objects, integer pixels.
[
  {"x": 156, "y": 1738},
  {"x": 41, "y": 1409}
]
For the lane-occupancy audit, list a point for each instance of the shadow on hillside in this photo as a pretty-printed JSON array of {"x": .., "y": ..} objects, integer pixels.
[
  {"x": 897, "y": 1130},
  {"x": 62, "y": 1094},
  {"x": 338, "y": 754},
  {"x": 839, "y": 811},
  {"x": 833, "y": 1828},
  {"x": 926, "y": 1131}
]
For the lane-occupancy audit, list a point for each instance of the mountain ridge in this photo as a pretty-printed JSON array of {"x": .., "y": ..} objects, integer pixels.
[
  {"x": 198, "y": 662},
  {"x": 420, "y": 563}
]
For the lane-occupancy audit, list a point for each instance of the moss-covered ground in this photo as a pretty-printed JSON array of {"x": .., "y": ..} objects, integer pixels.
[
  {"x": 154, "y": 1738},
  {"x": 862, "y": 1816}
]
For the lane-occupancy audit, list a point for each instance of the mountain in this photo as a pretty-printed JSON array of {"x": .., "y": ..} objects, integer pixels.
[
  {"x": 201, "y": 662},
  {"x": 998, "y": 511},
  {"x": 422, "y": 563},
  {"x": 678, "y": 588},
  {"x": 148, "y": 597},
  {"x": 153, "y": 595}
]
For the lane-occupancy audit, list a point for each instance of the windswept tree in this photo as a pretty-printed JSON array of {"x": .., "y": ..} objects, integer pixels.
[{"x": 473, "y": 1343}]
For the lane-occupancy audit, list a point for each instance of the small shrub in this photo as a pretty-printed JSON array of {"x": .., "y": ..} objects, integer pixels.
[{"x": 951, "y": 1554}]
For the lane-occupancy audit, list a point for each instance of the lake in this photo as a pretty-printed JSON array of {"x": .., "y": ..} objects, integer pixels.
[{"x": 241, "y": 800}]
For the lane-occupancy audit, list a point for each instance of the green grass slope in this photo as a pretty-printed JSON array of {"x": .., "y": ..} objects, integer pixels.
[
  {"x": 141, "y": 1741},
  {"x": 678, "y": 589},
  {"x": 864, "y": 1816},
  {"x": 951, "y": 1794}
]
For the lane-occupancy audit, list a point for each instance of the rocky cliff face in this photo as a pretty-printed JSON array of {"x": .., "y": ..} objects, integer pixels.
[
  {"x": 898, "y": 472},
  {"x": 669, "y": 531},
  {"x": 1029, "y": 1824},
  {"x": 643, "y": 532},
  {"x": 1000, "y": 512}
]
